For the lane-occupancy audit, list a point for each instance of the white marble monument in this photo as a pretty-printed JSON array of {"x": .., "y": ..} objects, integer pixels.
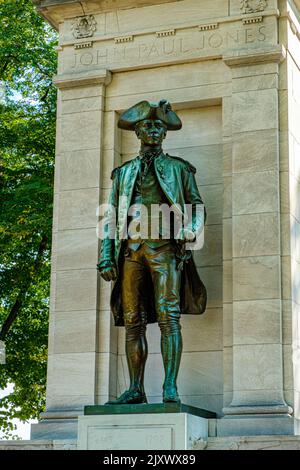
[
  {"x": 170, "y": 431},
  {"x": 231, "y": 69}
]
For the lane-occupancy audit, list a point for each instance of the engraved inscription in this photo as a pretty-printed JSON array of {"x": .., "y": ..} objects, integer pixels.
[
  {"x": 129, "y": 437},
  {"x": 176, "y": 47},
  {"x": 86, "y": 58}
]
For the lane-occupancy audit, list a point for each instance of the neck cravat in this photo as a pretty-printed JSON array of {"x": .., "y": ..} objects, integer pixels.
[{"x": 146, "y": 160}]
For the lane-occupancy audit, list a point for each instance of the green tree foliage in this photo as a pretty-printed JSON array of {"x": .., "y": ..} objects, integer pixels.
[{"x": 27, "y": 138}]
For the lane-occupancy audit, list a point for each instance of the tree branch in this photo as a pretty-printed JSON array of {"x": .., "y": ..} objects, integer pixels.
[
  {"x": 18, "y": 304},
  {"x": 7, "y": 62}
]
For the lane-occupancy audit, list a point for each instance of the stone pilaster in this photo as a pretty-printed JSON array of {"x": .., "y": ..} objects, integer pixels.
[
  {"x": 75, "y": 342},
  {"x": 257, "y": 352}
]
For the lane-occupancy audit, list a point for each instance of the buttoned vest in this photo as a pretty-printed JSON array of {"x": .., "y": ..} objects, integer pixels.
[{"x": 152, "y": 222}]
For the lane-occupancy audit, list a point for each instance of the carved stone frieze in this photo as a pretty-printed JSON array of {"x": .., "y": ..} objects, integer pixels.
[
  {"x": 83, "y": 45},
  {"x": 253, "y": 6},
  {"x": 84, "y": 26},
  {"x": 256, "y": 19},
  {"x": 163, "y": 34},
  {"x": 208, "y": 27},
  {"x": 122, "y": 39}
]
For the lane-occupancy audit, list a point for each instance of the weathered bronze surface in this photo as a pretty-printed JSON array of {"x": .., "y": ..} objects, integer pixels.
[
  {"x": 152, "y": 409},
  {"x": 154, "y": 279}
]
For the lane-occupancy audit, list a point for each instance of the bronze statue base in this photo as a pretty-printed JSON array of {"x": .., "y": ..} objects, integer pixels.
[{"x": 147, "y": 409}]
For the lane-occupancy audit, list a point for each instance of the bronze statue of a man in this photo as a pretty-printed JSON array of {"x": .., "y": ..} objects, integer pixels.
[{"x": 155, "y": 278}]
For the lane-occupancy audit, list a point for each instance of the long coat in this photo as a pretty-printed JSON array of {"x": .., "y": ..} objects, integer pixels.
[{"x": 177, "y": 180}]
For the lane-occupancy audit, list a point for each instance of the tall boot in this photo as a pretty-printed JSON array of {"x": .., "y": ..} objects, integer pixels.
[
  {"x": 136, "y": 354},
  {"x": 171, "y": 348}
]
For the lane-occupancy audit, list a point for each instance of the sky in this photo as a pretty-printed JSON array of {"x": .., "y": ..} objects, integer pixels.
[{"x": 23, "y": 429}]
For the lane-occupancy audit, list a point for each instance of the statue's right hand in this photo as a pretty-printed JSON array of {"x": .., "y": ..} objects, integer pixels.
[{"x": 109, "y": 274}]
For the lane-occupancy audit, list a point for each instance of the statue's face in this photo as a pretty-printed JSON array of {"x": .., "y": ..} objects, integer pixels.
[{"x": 151, "y": 132}]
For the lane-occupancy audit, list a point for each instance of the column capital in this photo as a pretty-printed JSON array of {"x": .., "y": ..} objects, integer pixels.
[
  {"x": 72, "y": 80},
  {"x": 245, "y": 57}
]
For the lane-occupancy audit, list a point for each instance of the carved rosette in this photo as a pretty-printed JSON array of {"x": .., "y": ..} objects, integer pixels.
[
  {"x": 84, "y": 26},
  {"x": 253, "y": 6}
]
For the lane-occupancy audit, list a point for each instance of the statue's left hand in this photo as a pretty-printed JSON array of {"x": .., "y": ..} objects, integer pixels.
[
  {"x": 109, "y": 274},
  {"x": 187, "y": 236}
]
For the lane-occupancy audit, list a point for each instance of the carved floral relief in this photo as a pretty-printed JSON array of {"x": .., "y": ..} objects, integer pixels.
[
  {"x": 84, "y": 26},
  {"x": 253, "y": 6}
]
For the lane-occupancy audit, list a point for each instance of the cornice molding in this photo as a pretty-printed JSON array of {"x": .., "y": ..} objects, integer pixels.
[
  {"x": 54, "y": 11},
  {"x": 244, "y": 57},
  {"x": 201, "y": 25},
  {"x": 97, "y": 77}
]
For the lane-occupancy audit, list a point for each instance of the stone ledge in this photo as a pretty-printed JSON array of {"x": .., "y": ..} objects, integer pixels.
[
  {"x": 67, "y": 444},
  {"x": 212, "y": 443},
  {"x": 55, "y": 429},
  {"x": 61, "y": 414},
  {"x": 246, "y": 57},
  {"x": 251, "y": 443},
  {"x": 161, "y": 408},
  {"x": 54, "y": 10},
  {"x": 87, "y": 78},
  {"x": 255, "y": 425},
  {"x": 259, "y": 409}
]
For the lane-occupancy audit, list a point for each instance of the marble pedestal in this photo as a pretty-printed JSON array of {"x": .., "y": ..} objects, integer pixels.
[{"x": 142, "y": 427}]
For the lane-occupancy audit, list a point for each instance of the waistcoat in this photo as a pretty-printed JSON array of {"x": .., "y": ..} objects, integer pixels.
[{"x": 147, "y": 192}]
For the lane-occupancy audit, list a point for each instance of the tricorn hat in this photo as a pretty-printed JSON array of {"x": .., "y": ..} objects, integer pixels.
[{"x": 146, "y": 110}]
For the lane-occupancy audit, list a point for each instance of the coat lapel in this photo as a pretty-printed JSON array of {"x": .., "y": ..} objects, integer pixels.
[
  {"x": 131, "y": 178},
  {"x": 160, "y": 164},
  {"x": 126, "y": 189}
]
